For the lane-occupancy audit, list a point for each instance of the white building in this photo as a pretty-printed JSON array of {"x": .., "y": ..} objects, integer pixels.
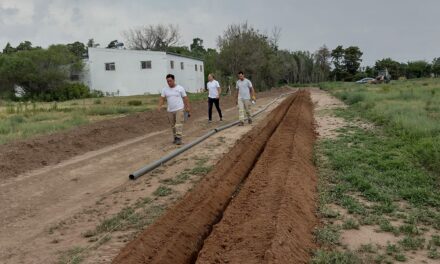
[{"x": 135, "y": 72}]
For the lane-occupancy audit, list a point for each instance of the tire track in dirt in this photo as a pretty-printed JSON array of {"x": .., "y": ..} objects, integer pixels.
[{"x": 178, "y": 236}]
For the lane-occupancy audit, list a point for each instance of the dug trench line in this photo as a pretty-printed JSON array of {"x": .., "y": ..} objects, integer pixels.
[{"x": 277, "y": 200}]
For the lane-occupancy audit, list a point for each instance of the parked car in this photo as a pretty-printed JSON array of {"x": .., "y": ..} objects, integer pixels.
[{"x": 365, "y": 80}]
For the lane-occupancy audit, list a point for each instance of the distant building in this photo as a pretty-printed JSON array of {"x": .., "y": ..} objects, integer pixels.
[{"x": 135, "y": 72}]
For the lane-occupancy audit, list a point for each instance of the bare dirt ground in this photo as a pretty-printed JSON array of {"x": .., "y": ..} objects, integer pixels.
[
  {"x": 74, "y": 209},
  {"x": 270, "y": 178}
]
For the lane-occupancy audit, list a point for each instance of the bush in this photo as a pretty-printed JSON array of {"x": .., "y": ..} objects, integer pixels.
[
  {"x": 67, "y": 91},
  {"x": 134, "y": 102}
]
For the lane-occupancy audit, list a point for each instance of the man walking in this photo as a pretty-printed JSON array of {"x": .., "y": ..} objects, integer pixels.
[
  {"x": 178, "y": 102},
  {"x": 244, "y": 92},
  {"x": 214, "y": 92}
]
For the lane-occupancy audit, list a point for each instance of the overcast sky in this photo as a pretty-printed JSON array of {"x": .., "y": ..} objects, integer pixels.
[{"x": 401, "y": 29}]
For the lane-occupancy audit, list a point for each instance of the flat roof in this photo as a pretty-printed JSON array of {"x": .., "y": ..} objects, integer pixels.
[
  {"x": 147, "y": 51},
  {"x": 183, "y": 56}
]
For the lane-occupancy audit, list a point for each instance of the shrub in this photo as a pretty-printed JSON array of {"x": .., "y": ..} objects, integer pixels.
[{"x": 135, "y": 102}]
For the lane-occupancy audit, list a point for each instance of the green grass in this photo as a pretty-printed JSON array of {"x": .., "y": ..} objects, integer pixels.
[
  {"x": 335, "y": 257},
  {"x": 162, "y": 191},
  {"x": 384, "y": 174},
  {"x": 350, "y": 223},
  {"x": 409, "y": 110},
  {"x": 71, "y": 256},
  {"x": 328, "y": 235}
]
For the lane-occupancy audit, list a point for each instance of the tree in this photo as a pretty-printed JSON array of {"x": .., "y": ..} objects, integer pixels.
[
  {"x": 197, "y": 48},
  {"x": 418, "y": 69},
  {"x": 243, "y": 48},
  {"x": 436, "y": 67},
  {"x": 152, "y": 37},
  {"x": 352, "y": 60},
  {"x": 395, "y": 69},
  {"x": 41, "y": 73},
  {"x": 9, "y": 49},
  {"x": 78, "y": 49},
  {"x": 91, "y": 43},
  {"x": 337, "y": 58},
  {"x": 322, "y": 62}
]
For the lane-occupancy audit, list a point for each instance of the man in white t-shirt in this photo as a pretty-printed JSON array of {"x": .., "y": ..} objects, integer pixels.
[
  {"x": 214, "y": 91},
  {"x": 178, "y": 102},
  {"x": 245, "y": 91}
]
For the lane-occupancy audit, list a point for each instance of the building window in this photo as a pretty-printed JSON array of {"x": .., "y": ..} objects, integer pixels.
[
  {"x": 195, "y": 67},
  {"x": 201, "y": 68},
  {"x": 145, "y": 64},
  {"x": 110, "y": 66},
  {"x": 182, "y": 66},
  {"x": 172, "y": 64}
]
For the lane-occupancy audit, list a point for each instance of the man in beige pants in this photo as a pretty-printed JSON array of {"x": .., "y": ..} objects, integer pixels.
[
  {"x": 178, "y": 102},
  {"x": 245, "y": 91}
]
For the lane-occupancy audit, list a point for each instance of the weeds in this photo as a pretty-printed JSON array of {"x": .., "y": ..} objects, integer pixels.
[{"x": 162, "y": 191}]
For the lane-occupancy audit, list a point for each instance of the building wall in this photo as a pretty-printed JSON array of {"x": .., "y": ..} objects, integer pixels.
[
  {"x": 130, "y": 79},
  {"x": 189, "y": 78}
]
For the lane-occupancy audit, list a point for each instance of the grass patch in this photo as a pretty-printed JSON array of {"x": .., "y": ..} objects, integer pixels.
[
  {"x": 335, "y": 257},
  {"x": 350, "y": 223},
  {"x": 328, "y": 235},
  {"x": 71, "y": 256},
  {"x": 412, "y": 243},
  {"x": 162, "y": 191}
]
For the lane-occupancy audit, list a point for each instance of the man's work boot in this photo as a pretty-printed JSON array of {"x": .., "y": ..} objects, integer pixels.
[{"x": 178, "y": 141}]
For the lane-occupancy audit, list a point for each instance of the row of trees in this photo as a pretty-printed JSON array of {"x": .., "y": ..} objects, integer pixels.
[
  {"x": 411, "y": 69},
  {"x": 240, "y": 48},
  {"x": 46, "y": 73},
  {"x": 41, "y": 74}
]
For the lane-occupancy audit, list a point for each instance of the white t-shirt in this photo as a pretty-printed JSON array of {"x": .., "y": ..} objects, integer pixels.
[
  {"x": 174, "y": 97},
  {"x": 213, "y": 89},
  {"x": 244, "y": 89}
]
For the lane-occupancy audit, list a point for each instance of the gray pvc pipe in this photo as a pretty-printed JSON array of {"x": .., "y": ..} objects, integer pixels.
[{"x": 159, "y": 162}]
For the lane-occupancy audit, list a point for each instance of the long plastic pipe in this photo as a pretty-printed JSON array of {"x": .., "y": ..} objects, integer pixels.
[{"x": 175, "y": 153}]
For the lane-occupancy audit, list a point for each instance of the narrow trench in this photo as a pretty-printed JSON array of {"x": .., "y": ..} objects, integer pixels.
[{"x": 194, "y": 257}]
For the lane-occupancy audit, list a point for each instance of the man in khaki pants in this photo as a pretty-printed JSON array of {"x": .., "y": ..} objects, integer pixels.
[
  {"x": 244, "y": 92},
  {"x": 178, "y": 102}
]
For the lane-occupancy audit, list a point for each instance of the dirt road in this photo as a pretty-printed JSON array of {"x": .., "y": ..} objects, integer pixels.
[
  {"x": 47, "y": 210},
  {"x": 270, "y": 178}
]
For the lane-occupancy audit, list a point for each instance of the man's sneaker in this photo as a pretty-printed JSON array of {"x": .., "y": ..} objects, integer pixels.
[
  {"x": 241, "y": 123},
  {"x": 178, "y": 141},
  {"x": 250, "y": 121}
]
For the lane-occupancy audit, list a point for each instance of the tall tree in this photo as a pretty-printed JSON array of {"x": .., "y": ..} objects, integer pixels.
[
  {"x": 197, "y": 48},
  {"x": 152, "y": 37},
  {"x": 78, "y": 49},
  {"x": 352, "y": 60},
  {"x": 322, "y": 62},
  {"x": 244, "y": 48},
  {"x": 436, "y": 67},
  {"x": 8, "y": 49},
  {"x": 394, "y": 68},
  {"x": 338, "y": 62},
  {"x": 418, "y": 69}
]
